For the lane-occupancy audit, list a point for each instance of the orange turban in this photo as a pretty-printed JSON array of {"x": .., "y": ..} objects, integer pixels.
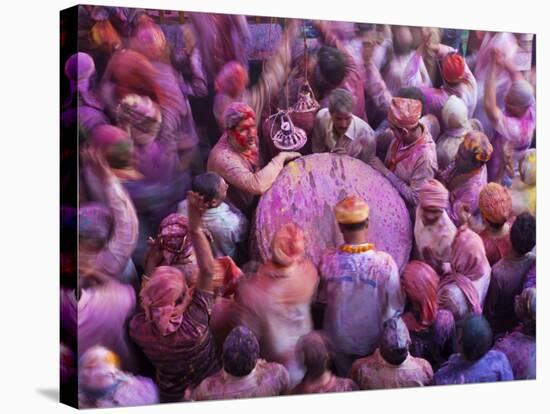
[
  {"x": 453, "y": 67},
  {"x": 405, "y": 113},
  {"x": 351, "y": 210},
  {"x": 495, "y": 203}
]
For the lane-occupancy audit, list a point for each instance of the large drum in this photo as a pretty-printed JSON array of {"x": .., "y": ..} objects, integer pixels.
[{"x": 307, "y": 190}]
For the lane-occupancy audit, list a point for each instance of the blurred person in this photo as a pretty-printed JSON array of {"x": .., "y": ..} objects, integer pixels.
[
  {"x": 434, "y": 231},
  {"x": 359, "y": 286},
  {"x": 244, "y": 374},
  {"x": 237, "y": 160},
  {"x": 431, "y": 328},
  {"x": 509, "y": 273},
  {"x": 524, "y": 187},
  {"x": 314, "y": 353},
  {"x": 227, "y": 225},
  {"x": 466, "y": 175},
  {"x": 475, "y": 362},
  {"x": 463, "y": 290},
  {"x": 232, "y": 80},
  {"x": 336, "y": 129},
  {"x": 173, "y": 325},
  {"x": 514, "y": 124},
  {"x": 83, "y": 106},
  {"x": 391, "y": 365},
  {"x": 108, "y": 231},
  {"x": 102, "y": 383},
  {"x": 456, "y": 125},
  {"x": 411, "y": 159},
  {"x": 520, "y": 346},
  {"x": 495, "y": 206},
  {"x": 276, "y": 300}
]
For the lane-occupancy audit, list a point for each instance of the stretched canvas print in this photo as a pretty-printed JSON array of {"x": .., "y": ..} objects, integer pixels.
[{"x": 262, "y": 206}]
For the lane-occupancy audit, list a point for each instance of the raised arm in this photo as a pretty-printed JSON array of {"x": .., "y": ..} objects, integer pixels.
[{"x": 490, "y": 99}]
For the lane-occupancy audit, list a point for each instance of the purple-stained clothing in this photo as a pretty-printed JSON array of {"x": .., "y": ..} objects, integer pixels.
[
  {"x": 374, "y": 373},
  {"x": 324, "y": 385},
  {"x": 464, "y": 189},
  {"x": 416, "y": 163},
  {"x": 435, "y": 343},
  {"x": 127, "y": 391},
  {"x": 530, "y": 280},
  {"x": 267, "y": 379},
  {"x": 507, "y": 279},
  {"x": 406, "y": 70},
  {"x": 511, "y": 141},
  {"x": 361, "y": 291},
  {"x": 521, "y": 351},
  {"x": 492, "y": 367},
  {"x": 465, "y": 89},
  {"x": 185, "y": 357},
  {"x": 100, "y": 317},
  {"x": 245, "y": 180}
]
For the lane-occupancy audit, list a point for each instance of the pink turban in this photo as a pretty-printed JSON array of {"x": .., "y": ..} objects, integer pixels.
[
  {"x": 495, "y": 203},
  {"x": 287, "y": 246},
  {"x": 405, "y": 113},
  {"x": 420, "y": 283},
  {"x": 433, "y": 195}
]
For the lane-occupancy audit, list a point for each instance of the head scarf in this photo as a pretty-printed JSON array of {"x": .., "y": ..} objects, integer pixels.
[
  {"x": 351, "y": 210},
  {"x": 455, "y": 113},
  {"x": 159, "y": 295},
  {"x": 520, "y": 94},
  {"x": 405, "y": 113},
  {"x": 469, "y": 263},
  {"x": 528, "y": 167},
  {"x": 288, "y": 245},
  {"x": 99, "y": 368},
  {"x": 142, "y": 114},
  {"x": 433, "y": 195},
  {"x": 95, "y": 222},
  {"x": 495, "y": 203},
  {"x": 478, "y": 144},
  {"x": 420, "y": 283},
  {"x": 453, "y": 68},
  {"x": 173, "y": 238},
  {"x": 79, "y": 69}
]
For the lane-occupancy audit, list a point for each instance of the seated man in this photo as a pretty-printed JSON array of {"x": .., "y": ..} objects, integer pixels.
[
  {"x": 237, "y": 160},
  {"x": 243, "y": 375},
  {"x": 475, "y": 362},
  {"x": 391, "y": 365},
  {"x": 227, "y": 225},
  {"x": 338, "y": 130},
  {"x": 359, "y": 286},
  {"x": 102, "y": 384},
  {"x": 313, "y": 351}
]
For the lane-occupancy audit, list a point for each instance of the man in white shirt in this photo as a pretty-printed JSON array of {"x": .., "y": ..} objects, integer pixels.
[{"x": 337, "y": 130}]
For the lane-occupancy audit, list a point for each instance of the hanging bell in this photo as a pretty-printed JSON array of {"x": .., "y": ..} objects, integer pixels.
[
  {"x": 288, "y": 137},
  {"x": 306, "y": 100}
]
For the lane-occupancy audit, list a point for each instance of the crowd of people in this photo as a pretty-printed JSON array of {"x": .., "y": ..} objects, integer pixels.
[{"x": 180, "y": 133}]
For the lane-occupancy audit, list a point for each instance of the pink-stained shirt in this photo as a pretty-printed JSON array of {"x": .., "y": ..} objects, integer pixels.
[
  {"x": 267, "y": 379},
  {"x": 407, "y": 70},
  {"x": 374, "y": 373},
  {"x": 361, "y": 291},
  {"x": 245, "y": 182},
  {"x": 463, "y": 189},
  {"x": 418, "y": 164},
  {"x": 333, "y": 384}
]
